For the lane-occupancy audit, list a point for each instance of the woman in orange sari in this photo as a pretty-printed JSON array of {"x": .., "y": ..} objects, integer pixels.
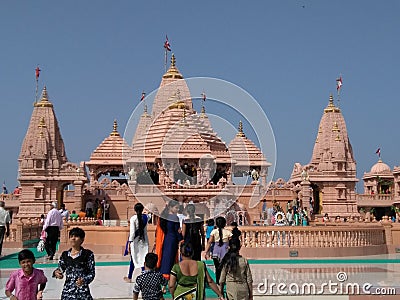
[{"x": 168, "y": 236}]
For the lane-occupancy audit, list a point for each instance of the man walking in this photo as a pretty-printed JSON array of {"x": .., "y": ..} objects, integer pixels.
[
  {"x": 64, "y": 212},
  {"x": 4, "y": 224},
  {"x": 52, "y": 225}
]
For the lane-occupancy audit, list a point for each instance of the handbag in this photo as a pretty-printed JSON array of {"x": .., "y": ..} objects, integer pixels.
[
  {"x": 40, "y": 246},
  {"x": 43, "y": 235}
]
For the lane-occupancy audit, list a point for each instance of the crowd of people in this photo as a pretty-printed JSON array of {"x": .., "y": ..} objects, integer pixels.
[
  {"x": 173, "y": 262},
  {"x": 295, "y": 215},
  {"x": 175, "y": 259}
]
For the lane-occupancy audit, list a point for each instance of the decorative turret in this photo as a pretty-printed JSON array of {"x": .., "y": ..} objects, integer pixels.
[
  {"x": 44, "y": 169},
  {"x": 332, "y": 169},
  {"x": 333, "y": 151},
  {"x": 379, "y": 180},
  {"x": 109, "y": 155},
  {"x": 246, "y": 157},
  {"x": 43, "y": 146}
]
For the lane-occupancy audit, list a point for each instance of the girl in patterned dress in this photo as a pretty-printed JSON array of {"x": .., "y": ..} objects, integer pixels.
[{"x": 79, "y": 267}]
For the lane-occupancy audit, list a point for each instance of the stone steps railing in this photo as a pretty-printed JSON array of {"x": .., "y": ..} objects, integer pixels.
[
  {"x": 311, "y": 237},
  {"x": 343, "y": 235},
  {"x": 22, "y": 231}
]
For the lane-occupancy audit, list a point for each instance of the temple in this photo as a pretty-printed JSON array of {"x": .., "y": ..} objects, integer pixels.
[
  {"x": 176, "y": 154},
  {"x": 329, "y": 180}
]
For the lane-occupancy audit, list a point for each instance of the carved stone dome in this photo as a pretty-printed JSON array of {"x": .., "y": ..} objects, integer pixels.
[{"x": 380, "y": 167}]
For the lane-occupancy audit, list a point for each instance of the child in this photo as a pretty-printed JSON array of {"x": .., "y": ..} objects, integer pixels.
[
  {"x": 24, "y": 282},
  {"x": 150, "y": 281},
  {"x": 236, "y": 233},
  {"x": 79, "y": 266}
]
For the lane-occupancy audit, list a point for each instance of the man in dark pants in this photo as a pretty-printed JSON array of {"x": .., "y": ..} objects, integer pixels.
[
  {"x": 52, "y": 225},
  {"x": 4, "y": 224}
]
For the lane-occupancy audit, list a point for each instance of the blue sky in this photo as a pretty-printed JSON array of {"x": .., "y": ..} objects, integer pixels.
[{"x": 97, "y": 57}]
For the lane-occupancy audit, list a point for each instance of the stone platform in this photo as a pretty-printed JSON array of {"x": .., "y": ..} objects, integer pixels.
[{"x": 334, "y": 278}]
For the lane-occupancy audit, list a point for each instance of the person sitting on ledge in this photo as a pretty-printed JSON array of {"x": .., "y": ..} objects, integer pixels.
[
  {"x": 326, "y": 217},
  {"x": 82, "y": 214},
  {"x": 74, "y": 215}
]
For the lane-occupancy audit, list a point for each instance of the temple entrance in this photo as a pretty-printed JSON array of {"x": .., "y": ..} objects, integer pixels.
[{"x": 317, "y": 204}]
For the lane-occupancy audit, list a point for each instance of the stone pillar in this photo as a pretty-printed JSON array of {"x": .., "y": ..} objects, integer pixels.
[
  {"x": 212, "y": 207},
  {"x": 306, "y": 192},
  {"x": 199, "y": 176},
  {"x": 388, "y": 232},
  {"x": 263, "y": 176},
  {"x": 78, "y": 184}
]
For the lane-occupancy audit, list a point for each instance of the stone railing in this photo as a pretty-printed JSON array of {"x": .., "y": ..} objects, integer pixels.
[
  {"x": 375, "y": 200},
  {"x": 68, "y": 224},
  {"x": 311, "y": 237},
  {"x": 376, "y": 197},
  {"x": 9, "y": 197},
  {"x": 336, "y": 239},
  {"x": 22, "y": 232}
]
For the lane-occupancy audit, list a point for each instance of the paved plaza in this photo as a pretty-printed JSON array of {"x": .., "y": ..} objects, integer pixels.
[{"x": 329, "y": 278}]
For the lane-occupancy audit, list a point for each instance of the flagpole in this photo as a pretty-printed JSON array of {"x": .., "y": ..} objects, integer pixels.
[
  {"x": 338, "y": 90},
  {"x": 143, "y": 98},
  {"x": 37, "y": 74},
  {"x": 165, "y": 62},
  {"x": 36, "y": 91},
  {"x": 203, "y": 98},
  {"x": 167, "y": 48}
]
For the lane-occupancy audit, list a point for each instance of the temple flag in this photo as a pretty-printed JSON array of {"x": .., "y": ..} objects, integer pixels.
[
  {"x": 339, "y": 83},
  {"x": 37, "y": 72},
  {"x": 167, "y": 46},
  {"x": 203, "y": 95},
  {"x": 143, "y": 96},
  {"x": 378, "y": 151}
]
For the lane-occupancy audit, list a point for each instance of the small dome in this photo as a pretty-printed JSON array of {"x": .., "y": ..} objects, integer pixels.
[{"x": 380, "y": 167}]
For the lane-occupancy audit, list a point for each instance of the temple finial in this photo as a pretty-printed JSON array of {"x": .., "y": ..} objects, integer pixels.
[
  {"x": 115, "y": 129},
  {"x": 44, "y": 99},
  {"x": 240, "y": 133},
  {"x": 331, "y": 106},
  {"x": 331, "y": 100},
  {"x": 45, "y": 96},
  {"x": 173, "y": 60}
]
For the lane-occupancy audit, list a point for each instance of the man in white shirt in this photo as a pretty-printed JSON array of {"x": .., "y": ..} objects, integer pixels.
[
  {"x": 64, "y": 212},
  {"x": 4, "y": 224},
  {"x": 52, "y": 225}
]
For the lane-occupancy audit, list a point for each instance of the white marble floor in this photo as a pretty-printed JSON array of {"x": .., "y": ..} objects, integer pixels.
[{"x": 270, "y": 280}]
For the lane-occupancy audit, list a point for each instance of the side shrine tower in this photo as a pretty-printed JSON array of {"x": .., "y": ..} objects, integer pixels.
[
  {"x": 44, "y": 170},
  {"x": 328, "y": 181}
]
